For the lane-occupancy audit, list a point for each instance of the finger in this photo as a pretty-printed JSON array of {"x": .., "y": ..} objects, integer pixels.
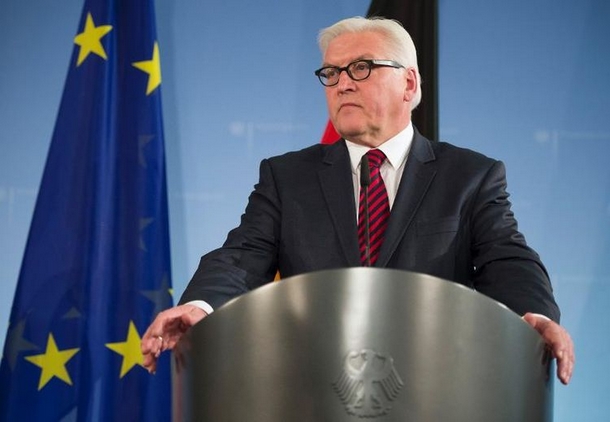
[
  {"x": 151, "y": 344},
  {"x": 173, "y": 341},
  {"x": 166, "y": 330},
  {"x": 175, "y": 328},
  {"x": 558, "y": 341},
  {"x": 149, "y": 339},
  {"x": 565, "y": 360},
  {"x": 563, "y": 374},
  {"x": 160, "y": 345},
  {"x": 158, "y": 329},
  {"x": 562, "y": 349},
  {"x": 150, "y": 363},
  {"x": 155, "y": 349},
  {"x": 530, "y": 319},
  {"x": 564, "y": 371}
]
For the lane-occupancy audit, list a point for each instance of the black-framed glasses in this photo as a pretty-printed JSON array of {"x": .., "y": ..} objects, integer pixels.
[{"x": 357, "y": 70}]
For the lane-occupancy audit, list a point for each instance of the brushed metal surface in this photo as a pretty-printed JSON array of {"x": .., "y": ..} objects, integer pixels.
[{"x": 281, "y": 353}]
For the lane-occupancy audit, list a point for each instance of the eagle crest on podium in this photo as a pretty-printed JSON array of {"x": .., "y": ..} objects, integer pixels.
[{"x": 368, "y": 384}]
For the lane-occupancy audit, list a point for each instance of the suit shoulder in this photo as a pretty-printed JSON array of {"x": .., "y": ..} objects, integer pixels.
[
  {"x": 447, "y": 151},
  {"x": 306, "y": 156}
]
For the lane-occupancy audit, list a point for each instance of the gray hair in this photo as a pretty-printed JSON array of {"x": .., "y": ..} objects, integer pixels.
[{"x": 398, "y": 41}]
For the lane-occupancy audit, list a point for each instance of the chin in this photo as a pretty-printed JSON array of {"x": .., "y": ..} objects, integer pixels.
[{"x": 348, "y": 131}]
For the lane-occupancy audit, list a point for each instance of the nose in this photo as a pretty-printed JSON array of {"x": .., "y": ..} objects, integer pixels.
[{"x": 345, "y": 82}]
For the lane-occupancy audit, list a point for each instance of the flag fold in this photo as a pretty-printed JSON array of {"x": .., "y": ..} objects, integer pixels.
[{"x": 96, "y": 267}]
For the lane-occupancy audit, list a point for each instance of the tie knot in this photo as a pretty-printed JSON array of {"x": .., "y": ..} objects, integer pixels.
[{"x": 375, "y": 157}]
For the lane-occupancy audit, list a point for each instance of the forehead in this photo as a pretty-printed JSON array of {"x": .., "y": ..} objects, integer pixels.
[{"x": 350, "y": 46}]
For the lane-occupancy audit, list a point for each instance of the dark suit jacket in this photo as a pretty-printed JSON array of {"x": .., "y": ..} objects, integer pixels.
[{"x": 451, "y": 218}]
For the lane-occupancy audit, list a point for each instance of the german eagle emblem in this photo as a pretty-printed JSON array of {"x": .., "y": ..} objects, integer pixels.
[{"x": 368, "y": 383}]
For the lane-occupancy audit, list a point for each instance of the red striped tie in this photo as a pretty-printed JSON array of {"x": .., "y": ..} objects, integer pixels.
[{"x": 379, "y": 210}]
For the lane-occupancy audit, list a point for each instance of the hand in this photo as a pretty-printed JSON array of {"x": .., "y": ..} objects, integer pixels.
[
  {"x": 166, "y": 330},
  {"x": 559, "y": 343}
]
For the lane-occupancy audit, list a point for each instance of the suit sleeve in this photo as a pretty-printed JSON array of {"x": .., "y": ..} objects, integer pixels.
[
  {"x": 248, "y": 258},
  {"x": 506, "y": 269}
]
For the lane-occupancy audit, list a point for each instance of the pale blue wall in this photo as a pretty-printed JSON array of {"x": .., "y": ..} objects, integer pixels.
[
  {"x": 523, "y": 81},
  {"x": 529, "y": 82}
]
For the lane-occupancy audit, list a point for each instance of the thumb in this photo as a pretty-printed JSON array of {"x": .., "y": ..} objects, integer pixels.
[{"x": 531, "y": 319}]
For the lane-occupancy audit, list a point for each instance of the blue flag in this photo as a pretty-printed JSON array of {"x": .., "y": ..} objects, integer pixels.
[{"x": 96, "y": 267}]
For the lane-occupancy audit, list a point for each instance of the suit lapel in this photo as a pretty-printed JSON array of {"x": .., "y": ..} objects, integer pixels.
[
  {"x": 337, "y": 186},
  {"x": 416, "y": 179}
]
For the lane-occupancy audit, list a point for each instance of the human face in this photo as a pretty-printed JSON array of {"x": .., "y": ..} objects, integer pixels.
[{"x": 371, "y": 111}]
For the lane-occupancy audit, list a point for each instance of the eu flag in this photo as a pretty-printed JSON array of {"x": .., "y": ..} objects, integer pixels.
[{"x": 96, "y": 267}]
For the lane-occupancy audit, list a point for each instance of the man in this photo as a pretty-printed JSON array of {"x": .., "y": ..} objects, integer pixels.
[{"x": 450, "y": 215}]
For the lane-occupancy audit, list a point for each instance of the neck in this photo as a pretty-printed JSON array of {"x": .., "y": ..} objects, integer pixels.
[{"x": 373, "y": 140}]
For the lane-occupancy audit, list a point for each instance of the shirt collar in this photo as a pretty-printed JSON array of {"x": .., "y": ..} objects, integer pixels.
[{"x": 395, "y": 149}]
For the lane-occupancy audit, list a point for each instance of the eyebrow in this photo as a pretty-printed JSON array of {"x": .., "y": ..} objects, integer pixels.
[{"x": 361, "y": 57}]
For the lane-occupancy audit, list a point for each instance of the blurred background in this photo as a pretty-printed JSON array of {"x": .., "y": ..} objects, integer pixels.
[{"x": 521, "y": 81}]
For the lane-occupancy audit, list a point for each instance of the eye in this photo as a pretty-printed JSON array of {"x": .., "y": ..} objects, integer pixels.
[
  {"x": 360, "y": 66},
  {"x": 329, "y": 72}
]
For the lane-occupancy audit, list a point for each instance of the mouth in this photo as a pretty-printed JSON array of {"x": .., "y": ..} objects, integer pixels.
[{"x": 348, "y": 105}]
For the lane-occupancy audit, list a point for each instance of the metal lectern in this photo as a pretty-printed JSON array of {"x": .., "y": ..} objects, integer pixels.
[{"x": 362, "y": 344}]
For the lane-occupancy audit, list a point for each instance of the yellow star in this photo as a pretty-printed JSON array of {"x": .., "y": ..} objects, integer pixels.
[
  {"x": 153, "y": 68},
  {"x": 53, "y": 363},
  {"x": 90, "y": 40},
  {"x": 129, "y": 349}
]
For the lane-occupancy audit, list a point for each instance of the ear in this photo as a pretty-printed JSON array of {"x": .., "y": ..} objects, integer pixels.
[{"x": 411, "y": 85}]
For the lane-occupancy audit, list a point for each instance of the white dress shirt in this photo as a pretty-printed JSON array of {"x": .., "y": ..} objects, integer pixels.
[{"x": 396, "y": 150}]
